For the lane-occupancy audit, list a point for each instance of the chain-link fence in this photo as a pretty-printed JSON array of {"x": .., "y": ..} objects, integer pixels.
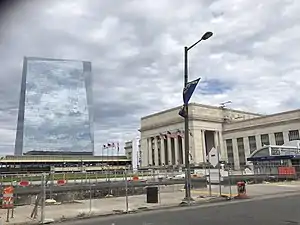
[
  {"x": 268, "y": 172},
  {"x": 63, "y": 195}
]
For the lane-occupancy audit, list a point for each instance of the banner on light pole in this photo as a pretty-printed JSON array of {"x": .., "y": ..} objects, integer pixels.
[{"x": 189, "y": 90}]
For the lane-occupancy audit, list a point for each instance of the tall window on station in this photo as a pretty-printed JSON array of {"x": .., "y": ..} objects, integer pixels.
[
  {"x": 152, "y": 151},
  {"x": 293, "y": 135},
  {"x": 173, "y": 151},
  {"x": 241, "y": 151},
  {"x": 229, "y": 151},
  {"x": 279, "y": 138},
  {"x": 166, "y": 150},
  {"x": 265, "y": 139},
  {"x": 180, "y": 149},
  {"x": 252, "y": 143}
]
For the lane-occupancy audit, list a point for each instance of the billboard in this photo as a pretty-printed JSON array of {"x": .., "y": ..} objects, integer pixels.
[{"x": 55, "y": 109}]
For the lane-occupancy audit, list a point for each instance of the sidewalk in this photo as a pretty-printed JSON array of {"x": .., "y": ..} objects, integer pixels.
[{"x": 98, "y": 207}]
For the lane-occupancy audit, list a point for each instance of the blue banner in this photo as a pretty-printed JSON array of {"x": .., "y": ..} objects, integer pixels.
[
  {"x": 189, "y": 90},
  {"x": 182, "y": 112}
]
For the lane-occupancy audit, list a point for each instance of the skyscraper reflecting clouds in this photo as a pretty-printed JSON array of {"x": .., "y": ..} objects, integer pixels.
[{"x": 55, "y": 109}]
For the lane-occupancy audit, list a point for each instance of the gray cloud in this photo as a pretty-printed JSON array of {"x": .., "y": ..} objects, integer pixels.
[{"x": 136, "y": 50}]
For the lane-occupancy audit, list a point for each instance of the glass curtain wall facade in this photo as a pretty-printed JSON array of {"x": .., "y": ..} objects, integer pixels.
[{"x": 55, "y": 108}]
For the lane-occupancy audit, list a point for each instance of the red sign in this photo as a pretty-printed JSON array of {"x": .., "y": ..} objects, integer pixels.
[
  {"x": 7, "y": 199},
  {"x": 286, "y": 170},
  {"x": 24, "y": 183},
  {"x": 9, "y": 190},
  {"x": 135, "y": 178},
  {"x": 61, "y": 182}
]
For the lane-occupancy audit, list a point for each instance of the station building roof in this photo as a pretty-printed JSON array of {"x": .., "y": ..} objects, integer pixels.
[
  {"x": 61, "y": 159},
  {"x": 275, "y": 152}
]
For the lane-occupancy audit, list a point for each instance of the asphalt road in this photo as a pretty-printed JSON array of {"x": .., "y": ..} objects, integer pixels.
[{"x": 275, "y": 211}]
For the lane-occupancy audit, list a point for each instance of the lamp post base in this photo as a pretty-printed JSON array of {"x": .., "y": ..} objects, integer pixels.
[{"x": 187, "y": 201}]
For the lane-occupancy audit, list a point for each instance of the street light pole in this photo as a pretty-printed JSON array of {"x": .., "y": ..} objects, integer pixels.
[
  {"x": 186, "y": 134},
  {"x": 188, "y": 197}
]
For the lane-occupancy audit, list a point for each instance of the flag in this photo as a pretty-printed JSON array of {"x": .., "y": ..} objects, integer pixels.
[
  {"x": 191, "y": 157},
  {"x": 169, "y": 134},
  {"x": 108, "y": 145},
  {"x": 104, "y": 146},
  {"x": 113, "y": 145},
  {"x": 191, "y": 134},
  {"x": 189, "y": 90},
  {"x": 118, "y": 147},
  {"x": 180, "y": 133},
  {"x": 163, "y": 136},
  {"x": 182, "y": 112}
]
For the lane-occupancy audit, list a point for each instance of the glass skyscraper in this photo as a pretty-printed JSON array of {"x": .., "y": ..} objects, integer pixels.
[{"x": 55, "y": 108}]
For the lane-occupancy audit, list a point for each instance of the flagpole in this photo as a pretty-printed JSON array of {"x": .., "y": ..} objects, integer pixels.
[
  {"x": 118, "y": 149},
  {"x": 102, "y": 156},
  {"x": 107, "y": 162}
]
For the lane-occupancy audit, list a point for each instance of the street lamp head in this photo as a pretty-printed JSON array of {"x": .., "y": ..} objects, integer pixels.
[{"x": 207, "y": 35}]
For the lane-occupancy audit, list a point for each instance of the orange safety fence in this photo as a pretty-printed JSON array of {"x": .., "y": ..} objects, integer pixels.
[{"x": 286, "y": 170}]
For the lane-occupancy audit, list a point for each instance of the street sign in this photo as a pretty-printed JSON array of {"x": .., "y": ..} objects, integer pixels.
[
  {"x": 61, "y": 182},
  {"x": 24, "y": 183},
  {"x": 7, "y": 197},
  {"x": 213, "y": 157},
  {"x": 135, "y": 178}
]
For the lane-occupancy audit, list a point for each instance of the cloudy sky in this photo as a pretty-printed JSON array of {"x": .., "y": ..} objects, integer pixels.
[{"x": 136, "y": 50}]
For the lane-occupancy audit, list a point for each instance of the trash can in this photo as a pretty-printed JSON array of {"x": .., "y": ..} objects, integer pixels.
[
  {"x": 241, "y": 188},
  {"x": 152, "y": 194}
]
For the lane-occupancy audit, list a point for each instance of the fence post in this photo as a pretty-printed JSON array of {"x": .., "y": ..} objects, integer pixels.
[
  {"x": 209, "y": 180},
  {"x": 229, "y": 180},
  {"x": 51, "y": 184},
  {"x": 90, "y": 205},
  {"x": 126, "y": 191},
  {"x": 7, "y": 215},
  {"x": 43, "y": 199}
]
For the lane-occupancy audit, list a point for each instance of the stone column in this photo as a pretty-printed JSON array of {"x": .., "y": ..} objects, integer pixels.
[
  {"x": 223, "y": 150},
  {"x": 144, "y": 148},
  {"x": 203, "y": 145},
  {"x": 149, "y": 152},
  {"x": 162, "y": 151},
  {"x": 286, "y": 137},
  {"x": 272, "y": 139},
  {"x": 216, "y": 137},
  {"x": 197, "y": 147},
  {"x": 176, "y": 151},
  {"x": 169, "y": 151},
  {"x": 258, "y": 141},
  {"x": 247, "y": 148},
  {"x": 155, "y": 151},
  {"x": 235, "y": 154}
]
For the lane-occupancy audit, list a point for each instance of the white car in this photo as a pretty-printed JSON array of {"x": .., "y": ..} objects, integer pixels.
[{"x": 177, "y": 177}]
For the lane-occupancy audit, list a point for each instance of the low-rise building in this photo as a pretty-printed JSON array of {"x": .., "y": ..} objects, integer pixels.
[{"x": 133, "y": 152}]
